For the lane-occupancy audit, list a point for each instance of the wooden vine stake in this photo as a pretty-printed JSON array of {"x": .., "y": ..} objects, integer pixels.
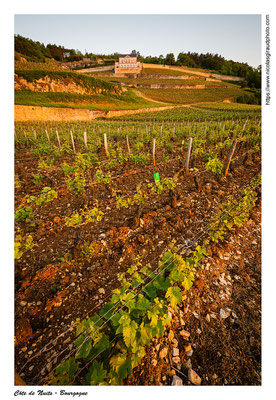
[
  {"x": 153, "y": 151},
  {"x": 188, "y": 155},
  {"x": 58, "y": 140},
  {"x": 229, "y": 158},
  {"x": 73, "y": 143},
  {"x": 47, "y": 134},
  {"x": 85, "y": 138},
  {"x": 128, "y": 146},
  {"x": 105, "y": 144},
  {"x": 34, "y": 132},
  {"x": 244, "y": 124}
]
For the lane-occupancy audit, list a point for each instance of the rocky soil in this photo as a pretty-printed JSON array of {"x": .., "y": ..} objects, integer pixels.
[{"x": 215, "y": 337}]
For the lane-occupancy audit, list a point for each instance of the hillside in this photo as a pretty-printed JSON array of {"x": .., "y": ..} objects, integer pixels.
[
  {"x": 52, "y": 85},
  {"x": 65, "y": 89}
]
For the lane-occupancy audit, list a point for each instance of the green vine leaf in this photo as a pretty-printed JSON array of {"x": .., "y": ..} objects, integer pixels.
[
  {"x": 174, "y": 295},
  {"x": 121, "y": 364},
  {"x": 97, "y": 374},
  {"x": 129, "y": 333}
]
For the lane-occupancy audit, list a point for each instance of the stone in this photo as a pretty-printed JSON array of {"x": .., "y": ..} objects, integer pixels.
[
  {"x": 176, "y": 359},
  {"x": 175, "y": 343},
  {"x": 170, "y": 335},
  {"x": 188, "y": 364},
  {"x": 176, "y": 381},
  {"x": 157, "y": 347},
  {"x": 224, "y": 314},
  {"x": 163, "y": 353},
  {"x": 190, "y": 353},
  {"x": 101, "y": 291},
  {"x": 172, "y": 372},
  {"x": 184, "y": 333},
  {"x": 175, "y": 352},
  {"x": 49, "y": 366},
  {"x": 154, "y": 362},
  {"x": 193, "y": 377},
  {"x": 188, "y": 348},
  {"x": 23, "y": 303},
  {"x": 222, "y": 281}
]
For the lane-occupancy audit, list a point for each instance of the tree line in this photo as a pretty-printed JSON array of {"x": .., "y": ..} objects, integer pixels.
[
  {"x": 213, "y": 62},
  {"x": 36, "y": 51}
]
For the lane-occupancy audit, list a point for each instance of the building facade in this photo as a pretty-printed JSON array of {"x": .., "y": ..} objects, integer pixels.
[{"x": 128, "y": 64}]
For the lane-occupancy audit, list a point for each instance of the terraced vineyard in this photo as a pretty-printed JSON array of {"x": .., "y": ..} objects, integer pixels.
[
  {"x": 186, "y": 96},
  {"x": 106, "y": 251}
]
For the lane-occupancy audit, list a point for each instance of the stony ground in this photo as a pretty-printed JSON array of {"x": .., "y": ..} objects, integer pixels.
[{"x": 215, "y": 338}]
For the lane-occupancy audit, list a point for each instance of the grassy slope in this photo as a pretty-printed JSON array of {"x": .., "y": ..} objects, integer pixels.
[
  {"x": 127, "y": 100},
  {"x": 31, "y": 66},
  {"x": 229, "y": 107}
]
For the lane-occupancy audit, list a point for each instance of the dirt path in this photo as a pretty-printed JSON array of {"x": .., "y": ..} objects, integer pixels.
[{"x": 148, "y": 98}]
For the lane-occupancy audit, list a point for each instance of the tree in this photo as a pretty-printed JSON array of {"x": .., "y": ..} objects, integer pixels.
[
  {"x": 184, "y": 59},
  {"x": 170, "y": 60},
  {"x": 161, "y": 59}
]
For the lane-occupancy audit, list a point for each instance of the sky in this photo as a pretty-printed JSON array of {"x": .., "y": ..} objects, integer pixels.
[{"x": 236, "y": 37}]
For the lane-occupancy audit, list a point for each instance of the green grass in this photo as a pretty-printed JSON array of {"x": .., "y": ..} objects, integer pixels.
[
  {"x": 229, "y": 107},
  {"x": 31, "y": 66},
  {"x": 189, "y": 113},
  {"x": 186, "y": 96},
  {"x": 127, "y": 100}
]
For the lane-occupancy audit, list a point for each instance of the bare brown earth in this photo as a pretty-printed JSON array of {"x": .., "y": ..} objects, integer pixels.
[
  {"x": 55, "y": 284},
  {"x": 36, "y": 113}
]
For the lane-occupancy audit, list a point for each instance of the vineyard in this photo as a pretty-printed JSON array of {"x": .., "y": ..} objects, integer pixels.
[
  {"x": 186, "y": 96},
  {"x": 124, "y": 231}
]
